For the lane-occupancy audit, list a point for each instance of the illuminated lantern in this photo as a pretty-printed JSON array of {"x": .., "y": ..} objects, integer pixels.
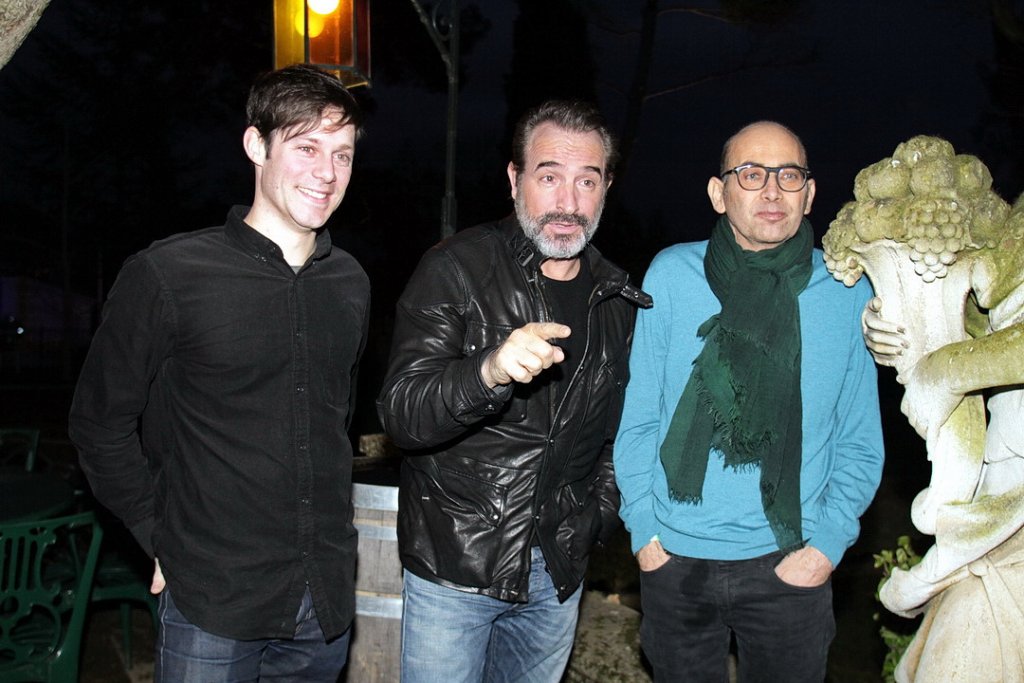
[{"x": 332, "y": 34}]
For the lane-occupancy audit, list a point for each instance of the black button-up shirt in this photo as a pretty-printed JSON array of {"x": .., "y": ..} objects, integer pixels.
[{"x": 211, "y": 416}]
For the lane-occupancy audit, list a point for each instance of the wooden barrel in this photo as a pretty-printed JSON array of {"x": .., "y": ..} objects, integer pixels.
[{"x": 375, "y": 653}]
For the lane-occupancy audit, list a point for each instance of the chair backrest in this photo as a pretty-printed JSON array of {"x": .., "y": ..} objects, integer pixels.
[
  {"x": 46, "y": 573},
  {"x": 18, "y": 446}
]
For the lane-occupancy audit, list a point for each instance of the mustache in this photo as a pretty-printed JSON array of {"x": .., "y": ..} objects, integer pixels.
[{"x": 561, "y": 217}]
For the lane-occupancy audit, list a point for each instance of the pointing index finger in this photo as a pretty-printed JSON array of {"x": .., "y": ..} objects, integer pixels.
[{"x": 549, "y": 330}]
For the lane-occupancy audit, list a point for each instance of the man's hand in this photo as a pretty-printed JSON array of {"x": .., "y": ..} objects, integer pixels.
[
  {"x": 885, "y": 340},
  {"x": 651, "y": 556},
  {"x": 158, "y": 585},
  {"x": 525, "y": 354},
  {"x": 804, "y": 568}
]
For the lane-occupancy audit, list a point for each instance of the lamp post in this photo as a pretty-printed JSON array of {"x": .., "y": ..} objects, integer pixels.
[
  {"x": 446, "y": 40},
  {"x": 331, "y": 34}
]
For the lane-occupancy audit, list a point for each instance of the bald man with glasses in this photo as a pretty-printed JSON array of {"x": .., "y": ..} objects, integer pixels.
[{"x": 750, "y": 441}]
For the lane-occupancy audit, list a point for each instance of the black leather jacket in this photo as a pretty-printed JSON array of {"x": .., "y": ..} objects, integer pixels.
[{"x": 485, "y": 470}]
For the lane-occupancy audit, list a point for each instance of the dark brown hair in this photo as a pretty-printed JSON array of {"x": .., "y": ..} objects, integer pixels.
[{"x": 296, "y": 97}]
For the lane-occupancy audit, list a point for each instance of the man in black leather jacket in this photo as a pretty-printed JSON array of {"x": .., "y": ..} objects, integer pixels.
[{"x": 505, "y": 388}]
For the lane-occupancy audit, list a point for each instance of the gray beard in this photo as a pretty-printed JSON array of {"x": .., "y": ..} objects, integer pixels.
[{"x": 562, "y": 247}]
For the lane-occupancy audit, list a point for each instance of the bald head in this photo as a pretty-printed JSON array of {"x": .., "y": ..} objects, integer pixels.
[
  {"x": 753, "y": 131},
  {"x": 765, "y": 215}
]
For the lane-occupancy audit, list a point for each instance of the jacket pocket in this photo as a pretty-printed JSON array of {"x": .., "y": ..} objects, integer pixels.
[
  {"x": 473, "y": 498},
  {"x": 465, "y": 523}
]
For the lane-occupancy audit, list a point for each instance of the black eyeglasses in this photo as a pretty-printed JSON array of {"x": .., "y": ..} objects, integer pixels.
[{"x": 755, "y": 176}]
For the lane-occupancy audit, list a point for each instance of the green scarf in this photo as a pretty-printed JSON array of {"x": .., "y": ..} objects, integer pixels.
[{"x": 743, "y": 395}]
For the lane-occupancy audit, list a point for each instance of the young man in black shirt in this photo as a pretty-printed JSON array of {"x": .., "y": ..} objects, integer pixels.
[{"x": 212, "y": 409}]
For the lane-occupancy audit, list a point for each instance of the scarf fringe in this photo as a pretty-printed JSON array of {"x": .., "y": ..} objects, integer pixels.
[
  {"x": 739, "y": 448},
  {"x": 685, "y": 498}
]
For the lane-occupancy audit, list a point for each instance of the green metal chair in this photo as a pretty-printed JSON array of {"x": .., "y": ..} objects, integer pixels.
[
  {"x": 18, "y": 447},
  {"x": 46, "y": 574}
]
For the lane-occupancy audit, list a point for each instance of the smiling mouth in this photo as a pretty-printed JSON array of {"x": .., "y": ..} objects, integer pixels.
[{"x": 314, "y": 194}]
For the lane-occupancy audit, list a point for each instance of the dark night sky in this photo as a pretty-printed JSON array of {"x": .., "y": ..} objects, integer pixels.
[
  {"x": 852, "y": 78},
  {"x": 868, "y": 75},
  {"x": 875, "y": 74}
]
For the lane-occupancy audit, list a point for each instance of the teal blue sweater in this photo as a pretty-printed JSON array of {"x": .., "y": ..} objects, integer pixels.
[{"x": 842, "y": 435}]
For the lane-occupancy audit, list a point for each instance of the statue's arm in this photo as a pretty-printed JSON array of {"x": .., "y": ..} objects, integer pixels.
[
  {"x": 994, "y": 360},
  {"x": 938, "y": 382}
]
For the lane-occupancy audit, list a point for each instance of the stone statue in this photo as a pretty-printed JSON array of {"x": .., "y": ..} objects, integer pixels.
[{"x": 946, "y": 258}]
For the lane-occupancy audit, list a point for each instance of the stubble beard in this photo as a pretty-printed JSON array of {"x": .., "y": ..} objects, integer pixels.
[{"x": 557, "y": 246}]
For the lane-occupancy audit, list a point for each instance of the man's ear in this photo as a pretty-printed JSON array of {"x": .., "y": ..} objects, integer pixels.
[
  {"x": 716, "y": 193},
  {"x": 810, "y": 196},
  {"x": 255, "y": 146},
  {"x": 512, "y": 177}
]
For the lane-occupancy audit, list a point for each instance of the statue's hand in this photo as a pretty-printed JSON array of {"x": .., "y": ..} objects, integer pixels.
[
  {"x": 927, "y": 402},
  {"x": 885, "y": 340}
]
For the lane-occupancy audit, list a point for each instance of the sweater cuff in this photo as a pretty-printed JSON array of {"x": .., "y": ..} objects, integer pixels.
[
  {"x": 831, "y": 547},
  {"x": 642, "y": 535}
]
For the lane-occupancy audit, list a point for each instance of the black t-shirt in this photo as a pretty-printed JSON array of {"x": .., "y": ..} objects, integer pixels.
[{"x": 568, "y": 301}]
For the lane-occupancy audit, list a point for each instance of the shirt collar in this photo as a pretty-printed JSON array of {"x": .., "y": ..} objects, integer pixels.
[{"x": 261, "y": 247}]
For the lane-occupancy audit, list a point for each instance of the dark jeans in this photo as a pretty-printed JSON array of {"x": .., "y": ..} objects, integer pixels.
[
  {"x": 186, "y": 653},
  {"x": 691, "y": 607}
]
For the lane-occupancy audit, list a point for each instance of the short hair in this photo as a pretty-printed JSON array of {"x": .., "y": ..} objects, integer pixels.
[
  {"x": 727, "y": 147},
  {"x": 297, "y": 97},
  {"x": 571, "y": 115}
]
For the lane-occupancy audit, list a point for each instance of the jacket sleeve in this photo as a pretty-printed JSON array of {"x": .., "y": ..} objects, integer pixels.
[
  {"x": 134, "y": 336},
  {"x": 858, "y": 443},
  {"x": 433, "y": 389},
  {"x": 607, "y": 494}
]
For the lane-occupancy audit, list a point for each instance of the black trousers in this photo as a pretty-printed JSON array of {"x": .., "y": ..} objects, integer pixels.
[{"x": 692, "y": 607}]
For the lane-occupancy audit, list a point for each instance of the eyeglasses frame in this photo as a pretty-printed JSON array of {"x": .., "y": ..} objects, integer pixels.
[{"x": 768, "y": 171}]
